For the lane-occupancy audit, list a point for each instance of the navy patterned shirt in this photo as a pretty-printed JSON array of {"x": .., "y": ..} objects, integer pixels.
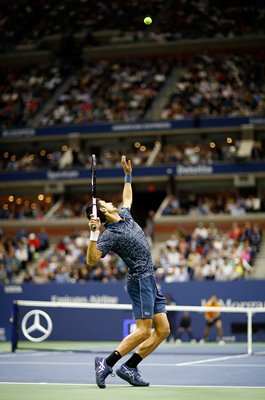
[{"x": 127, "y": 239}]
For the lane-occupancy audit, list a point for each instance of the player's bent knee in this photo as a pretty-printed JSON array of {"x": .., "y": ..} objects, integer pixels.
[
  {"x": 167, "y": 332},
  {"x": 146, "y": 333},
  {"x": 163, "y": 331}
]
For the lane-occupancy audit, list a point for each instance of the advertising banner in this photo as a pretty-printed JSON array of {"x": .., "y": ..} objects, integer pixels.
[{"x": 60, "y": 323}]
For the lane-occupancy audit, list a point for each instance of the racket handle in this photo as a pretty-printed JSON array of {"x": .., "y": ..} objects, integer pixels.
[
  {"x": 94, "y": 211},
  {"x": 93, "y": 228}
]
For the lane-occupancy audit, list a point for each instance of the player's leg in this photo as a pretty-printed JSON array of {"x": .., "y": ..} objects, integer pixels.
[
  {"x": 207, "y": 331},
  {"x": 159, "y": 334},
  {"x": 104, "y": 366},
  {"x": 219, "y": 328},
  {"x": 160, "y": 320},
  {"x": 190, "y": 334},
  {"x": 129, "y": 370},
  {"x": 140, "y": 334},
  {"x": 141, "y": 294},
  {"x": 172, "y": 325},
  {"x": 147, "y": 301},
  {"x": 180, "y": 334}
]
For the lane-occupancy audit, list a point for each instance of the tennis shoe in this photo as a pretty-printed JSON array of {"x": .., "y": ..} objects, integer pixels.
[
  {"x": 102, "y": 371},
  {"x": 131, "y": 375}
]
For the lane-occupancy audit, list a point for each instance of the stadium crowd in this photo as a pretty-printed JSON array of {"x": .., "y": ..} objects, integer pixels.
[
  {"x": 110, "y": 91},
  {"x": 190, "y": 204},
  {"x": 187, "y": 152},
  {"x": 20, "y": 208},
  {"x": 227, "y": 203},
  {"x": 227, "y": 84},
  {"x": 124, "y": 90},
  {"x": 173, "y": 20},
  {"x": 66, "y": 157},
  {"x": 24, "y": 90},
  {"x": 208, "y": 253},
  {"x": 204, "y": 253},
  {"x": 208, "y": 84},
  {"x": 208, "y": 151},
  {"x": 205, "y": 19},
  {"x": 19, "y": 252},
  {"x": 23, "y": 23}
]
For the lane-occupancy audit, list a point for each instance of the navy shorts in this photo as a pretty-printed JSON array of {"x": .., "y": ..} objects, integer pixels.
[
  {"x": 146, "y": 298},
  {"x": 208, "y": 323}
]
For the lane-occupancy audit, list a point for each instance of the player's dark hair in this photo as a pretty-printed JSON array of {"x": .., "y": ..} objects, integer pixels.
[{"x": 100, "y": 214}]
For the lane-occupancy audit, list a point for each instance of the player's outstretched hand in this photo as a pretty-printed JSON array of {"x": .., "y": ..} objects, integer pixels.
[{"x": 126, "y": 165}]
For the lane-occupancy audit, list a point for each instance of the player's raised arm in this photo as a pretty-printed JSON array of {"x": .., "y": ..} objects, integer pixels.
[{"x": 127, "y": 189}]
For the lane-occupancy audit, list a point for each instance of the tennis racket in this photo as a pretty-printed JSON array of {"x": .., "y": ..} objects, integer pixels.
[{"x": 93, "y": 187}]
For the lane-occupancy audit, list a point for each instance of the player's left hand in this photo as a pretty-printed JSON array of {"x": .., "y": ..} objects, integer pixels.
[{"x": 127, "y": 165}]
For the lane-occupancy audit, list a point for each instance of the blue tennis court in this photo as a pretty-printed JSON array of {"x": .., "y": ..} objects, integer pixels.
[{"x": 174, "y": 365}]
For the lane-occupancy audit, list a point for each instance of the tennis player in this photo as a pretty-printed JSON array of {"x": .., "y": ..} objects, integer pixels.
[{"x": 123, "y": 236}]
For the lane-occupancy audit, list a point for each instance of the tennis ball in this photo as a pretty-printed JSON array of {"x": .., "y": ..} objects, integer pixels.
[{"x": 148, "y": 20}]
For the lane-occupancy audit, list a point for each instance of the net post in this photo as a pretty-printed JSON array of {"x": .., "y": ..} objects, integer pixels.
[
  {"x": 249, "y": 333},
  {"x": 14, "y": 331}
]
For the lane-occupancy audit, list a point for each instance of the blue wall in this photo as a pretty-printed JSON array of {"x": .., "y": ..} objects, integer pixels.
[
  {"x": 82, "y": 324},
  {"x": 139, "y": 126}
]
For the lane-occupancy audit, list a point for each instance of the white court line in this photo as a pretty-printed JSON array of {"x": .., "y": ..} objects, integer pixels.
[
  {"x": 212, "y": 360},
  {"x": 259, "y": 353},
  {"x": 125, "y": 385},
  {"x": 44, "y": 363}
]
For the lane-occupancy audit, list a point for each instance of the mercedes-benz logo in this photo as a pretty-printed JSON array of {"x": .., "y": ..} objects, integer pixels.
[{"x": 39, "y": 325}]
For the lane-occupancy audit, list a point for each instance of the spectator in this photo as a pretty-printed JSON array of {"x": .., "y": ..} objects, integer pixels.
[
  {"x": 22, "y": 254},
  {"x": 3, "y": 274},
  {"x": 213, "y": 318},
  {"x": 43, "y": 240},
  {"x": 185, "y": 326}
]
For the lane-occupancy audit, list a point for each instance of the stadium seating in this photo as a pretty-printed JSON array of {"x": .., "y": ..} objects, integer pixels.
[{"x": 184, "y": 98}]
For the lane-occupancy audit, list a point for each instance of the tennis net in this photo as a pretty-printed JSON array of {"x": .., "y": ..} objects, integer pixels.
[{"x": 38, "y": 322}]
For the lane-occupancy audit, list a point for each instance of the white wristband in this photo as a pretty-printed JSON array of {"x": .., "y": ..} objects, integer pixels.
[{"x": 94, "y": 236}]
